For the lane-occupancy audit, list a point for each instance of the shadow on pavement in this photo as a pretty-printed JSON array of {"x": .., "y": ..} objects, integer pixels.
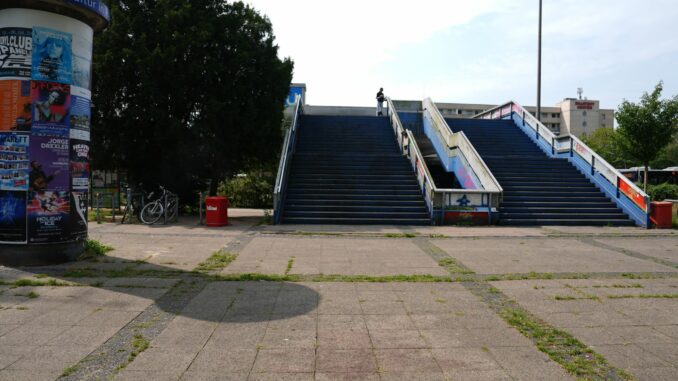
[{"x": 182, "y": 293}]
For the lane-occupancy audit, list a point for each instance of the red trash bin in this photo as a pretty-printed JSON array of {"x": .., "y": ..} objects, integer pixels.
[
  {"x": 217, "y": 211},
  {"x": 660, "y": 215}
]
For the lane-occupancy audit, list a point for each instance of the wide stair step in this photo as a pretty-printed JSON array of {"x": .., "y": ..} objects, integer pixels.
[
  {"x": 538, "y": 190},
  {"x": 349, "y": 170}
]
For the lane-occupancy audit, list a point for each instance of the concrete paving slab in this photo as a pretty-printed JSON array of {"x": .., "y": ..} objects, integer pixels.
[
  {"x": 501, "y": 256},
  {"x": 665, "y": 248},
  {"x": 630, "y": 335},
  {"x": 333, "y": 255}
]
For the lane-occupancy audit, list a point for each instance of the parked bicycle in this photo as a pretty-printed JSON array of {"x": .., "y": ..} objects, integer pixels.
[
  {"x": 167, "y": 206},
  {"x": 136, "y": 200}
]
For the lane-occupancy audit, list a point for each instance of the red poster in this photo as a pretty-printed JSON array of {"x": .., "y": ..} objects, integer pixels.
[{"x": 15, "y": 105}]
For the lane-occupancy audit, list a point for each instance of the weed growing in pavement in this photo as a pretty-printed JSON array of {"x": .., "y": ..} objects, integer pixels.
[
  {"x": 37, "y": 283},
  {"x": 562, "y": 347},
  {"x": 400, "y": 235},
  {"x": 94, "y": 249},
  {"x": 644, "y": 296},
  {"x": 217, "y": 261},
  {"x": 69, "y": 370},
  {"x": 140, "y": 344},
  {"x": 451, "y": 265},
  {"x": 290, "y": 263},
  {"x": 635, "y": 285}
]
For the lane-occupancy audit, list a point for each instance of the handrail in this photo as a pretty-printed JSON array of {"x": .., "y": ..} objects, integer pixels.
[
  {"x": 609, "y": 172},
  {"x": 409, "y": 147},
  {"x": 288, "y": 148},
  {"x": 459, "y": 140}
]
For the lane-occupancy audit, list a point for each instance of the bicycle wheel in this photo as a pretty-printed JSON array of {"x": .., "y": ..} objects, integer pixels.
[{"x": 151, "y": 213}]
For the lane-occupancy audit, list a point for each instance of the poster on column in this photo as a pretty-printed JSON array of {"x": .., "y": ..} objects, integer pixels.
[
  {"x": 16, "y": 52},
  {"x": 79, "y": 167},
  {"x": 51, "y": 108},
  {"x": 50, "y": 158},
  {"x": 15, "y": 105},
  {"x": 52, "y": 56},
  {"x": 12, "y": 216},
  {"x": 14, "y": 164},
  {"x": 48, "y": 215},
  {"x": 78, "y": 217},
  {"x": 80, "y": 118}
]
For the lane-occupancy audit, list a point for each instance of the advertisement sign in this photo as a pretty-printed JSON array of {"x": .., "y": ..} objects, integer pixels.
[
  {"x": 16, "y": 46},
  {"x": 78, "y": 217},
  {"x": 14, "y": 164},
  {"x": 49, "y": 163},
  {"x": 51, "y": 108},
  {"x": 79, "y": 165},
  {"x": 80, "y": 118},
  {"x": 12, "y": 216},
  {"x": 15, "y": 105},
  {"x": 52, "y": 57},
  {"x": 48, "y": 215},
  {"x": 81, "y": 72}
]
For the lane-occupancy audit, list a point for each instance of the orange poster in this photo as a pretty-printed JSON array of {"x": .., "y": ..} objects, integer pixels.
[{"x": 15, "y": 105}]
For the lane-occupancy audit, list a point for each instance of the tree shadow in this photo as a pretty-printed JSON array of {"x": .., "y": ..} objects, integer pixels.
[{"x": 179, "y": 292}]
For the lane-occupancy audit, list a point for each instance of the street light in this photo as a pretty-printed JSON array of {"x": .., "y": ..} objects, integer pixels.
[{"x": 539, "y": 69}]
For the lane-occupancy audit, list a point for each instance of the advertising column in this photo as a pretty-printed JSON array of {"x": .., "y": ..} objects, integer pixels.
[{"x": 45, "y": 112}]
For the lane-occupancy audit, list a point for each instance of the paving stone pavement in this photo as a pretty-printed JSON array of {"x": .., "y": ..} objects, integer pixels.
[{"x": 271, "y": 330}]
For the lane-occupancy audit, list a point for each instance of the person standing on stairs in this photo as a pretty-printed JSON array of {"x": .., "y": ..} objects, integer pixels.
[{"x": 380, "y": 101}]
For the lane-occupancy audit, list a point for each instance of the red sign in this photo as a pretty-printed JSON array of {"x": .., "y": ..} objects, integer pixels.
[
  {"x": 636, "y": 197},
  {"x": 584, "y": 105}
]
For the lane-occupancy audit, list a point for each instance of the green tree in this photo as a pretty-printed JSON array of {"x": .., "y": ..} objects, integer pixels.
[
  {"x": 604, "y": 141},
  {"x": 647, "y": 127},
  {"x": 186, "y": 91}
]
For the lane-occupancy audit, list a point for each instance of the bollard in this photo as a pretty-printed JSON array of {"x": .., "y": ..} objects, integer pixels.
[
  {"x": 97, "y": 200},
  {"x": 113, "y": 206}
]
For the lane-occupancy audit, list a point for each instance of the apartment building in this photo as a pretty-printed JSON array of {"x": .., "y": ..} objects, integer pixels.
[{"x": 571, "y": 116}]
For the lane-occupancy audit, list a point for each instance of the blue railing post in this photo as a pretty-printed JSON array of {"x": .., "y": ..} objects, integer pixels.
[
  {"x": 571, "y": 147},
  {"x": 537, "y": 131},
  {"x": 553, "y": 146},
  {"x": 593, "y": 165}
]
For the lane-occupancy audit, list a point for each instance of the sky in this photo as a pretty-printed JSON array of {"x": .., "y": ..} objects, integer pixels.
[{"x": 480, "y": 51}]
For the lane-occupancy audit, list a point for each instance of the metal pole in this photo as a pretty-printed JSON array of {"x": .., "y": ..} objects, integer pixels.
[
  {"x": 539, "y": 68},
  {"x": 165, "y": 208},
  {"x": 113, "y": 206}
]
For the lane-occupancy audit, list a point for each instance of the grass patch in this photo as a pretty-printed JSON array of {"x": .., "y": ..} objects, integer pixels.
[
  {"x": 38, "y": 283},
  {"x": 534, "y": 276},
  {"x": 69, "y": 370},
  {"x": 22, "y": 308},
  {"x": 94, "y": 249},
  {"x": 217, "y": 261},
  {"x": 563, "y": 348},
  {"x": 330, "y": 278},
  {"x": 641, "y": 276},
  {"x": 635, "y": 285},
  {"x": 140, "y": 344},
  {"x": 644, "y": 296},
  {"x": 290, "y": 263},
  {"x": 400, "y": 235},
  {"x": 451, "y": 265},
  {"x": 130, "y": 271}
]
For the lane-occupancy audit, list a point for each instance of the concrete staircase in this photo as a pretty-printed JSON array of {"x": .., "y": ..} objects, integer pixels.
[
  {"x": 538, "y": 190},
  {"x": 349, "y": 170}
]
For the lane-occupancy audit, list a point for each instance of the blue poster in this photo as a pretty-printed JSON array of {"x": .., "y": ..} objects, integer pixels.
[
  {"x": 12, "y": 216},
  {"x": 52, "y": 57}
]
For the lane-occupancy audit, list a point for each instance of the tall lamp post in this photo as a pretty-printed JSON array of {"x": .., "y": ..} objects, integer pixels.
[{"x": 539, "y": 69}]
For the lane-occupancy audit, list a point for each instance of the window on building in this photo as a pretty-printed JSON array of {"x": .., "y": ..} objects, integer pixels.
[
  {"x": 583, "y": 123},
  {"x": 458, "y": 112},
  {"x": 584, "y": 113},
  {"x": 603, "y": 116},
  {"x": 554, "y": 115}
]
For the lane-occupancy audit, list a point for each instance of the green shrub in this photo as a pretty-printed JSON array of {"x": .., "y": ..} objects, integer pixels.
[
  {"x": 250, "y": 190},
  {"x": 663, "y": 192},
  {"x": 94, "y": 248}
]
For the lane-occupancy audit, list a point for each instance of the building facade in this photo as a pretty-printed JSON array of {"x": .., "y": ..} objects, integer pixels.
[{"x": 571, "y": 116}]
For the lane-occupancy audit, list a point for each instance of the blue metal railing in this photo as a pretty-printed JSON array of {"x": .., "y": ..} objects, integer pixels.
[{"x": 288, "y": 149}]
